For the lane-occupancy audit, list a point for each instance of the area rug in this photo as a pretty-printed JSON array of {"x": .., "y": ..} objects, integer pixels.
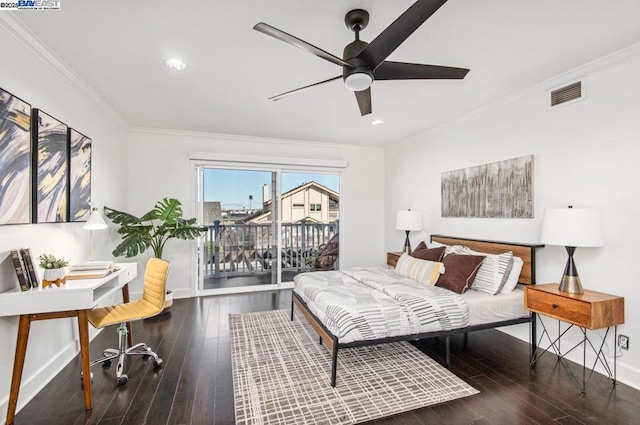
[{"x": 281, "y": 375}]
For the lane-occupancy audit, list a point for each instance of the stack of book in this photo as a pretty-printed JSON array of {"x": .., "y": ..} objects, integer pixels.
[
  {"x": 25, "y": 271},
  {"x": 90, "y": 270}
]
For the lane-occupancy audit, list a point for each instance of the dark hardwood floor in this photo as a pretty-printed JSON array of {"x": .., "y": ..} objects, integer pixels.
[{"x": 195, "y": 385}]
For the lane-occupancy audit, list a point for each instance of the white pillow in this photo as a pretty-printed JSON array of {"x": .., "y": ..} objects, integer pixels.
[
  {"x": 493, "y": 272},
  {"x": 450, "y": 249},
  {"x": 423, "y": 271},
  {"x": 514, "y": 276}
]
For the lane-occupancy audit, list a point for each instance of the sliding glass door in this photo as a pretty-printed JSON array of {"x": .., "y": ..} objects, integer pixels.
[
  {"x": 309, "y": 222},
  {"x": 264, "y": 226}
]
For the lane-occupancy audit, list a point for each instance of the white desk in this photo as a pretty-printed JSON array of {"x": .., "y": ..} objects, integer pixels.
[{"x": 70, "y": 300}]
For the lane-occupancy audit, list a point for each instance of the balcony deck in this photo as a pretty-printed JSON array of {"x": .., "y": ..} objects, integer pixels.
[
  {"x": 242, "y": 281},
  {"x": 239, "y": 254}
]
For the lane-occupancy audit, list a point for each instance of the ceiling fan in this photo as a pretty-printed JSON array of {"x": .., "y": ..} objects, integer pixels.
[{"x": 362, "y": 62}]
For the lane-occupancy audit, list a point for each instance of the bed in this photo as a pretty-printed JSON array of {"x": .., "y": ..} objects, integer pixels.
[{"x": 367, "y": 306}]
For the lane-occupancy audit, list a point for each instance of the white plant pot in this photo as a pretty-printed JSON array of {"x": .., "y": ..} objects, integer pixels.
[{"x": 55, "y": 277}]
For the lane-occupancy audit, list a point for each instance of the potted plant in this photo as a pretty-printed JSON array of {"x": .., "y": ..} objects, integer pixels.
[
  {"x": 54, "y": 270},
  {"x": 153, "y": 230}
]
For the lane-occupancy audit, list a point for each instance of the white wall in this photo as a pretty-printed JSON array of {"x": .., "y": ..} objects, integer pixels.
[
  {"x": 585, "y": 154},
  {"x": 53, "y": 343},
  {"x": 159, "y": 166}
]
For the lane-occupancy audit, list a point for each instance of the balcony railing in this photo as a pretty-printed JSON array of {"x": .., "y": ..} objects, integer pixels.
[{"x": 240, "y": 249}]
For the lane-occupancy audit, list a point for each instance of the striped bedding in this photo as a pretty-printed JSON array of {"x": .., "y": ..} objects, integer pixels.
[{"x": 367, "y": 303}]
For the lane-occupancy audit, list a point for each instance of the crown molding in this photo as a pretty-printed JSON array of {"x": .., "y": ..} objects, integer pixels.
[
  {"x": 16, "y": 28},
  {"x": 612, "y": 60},
  {"x": 248, "y": 139}
]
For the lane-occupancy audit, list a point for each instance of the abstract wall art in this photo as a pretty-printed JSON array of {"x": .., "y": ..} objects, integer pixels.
[
  {"x": 79, "y": 176},
  {"x": 50, "y": 169},
  {"x": 15, "y": 159},
  {"x": 501, "y": 189}
]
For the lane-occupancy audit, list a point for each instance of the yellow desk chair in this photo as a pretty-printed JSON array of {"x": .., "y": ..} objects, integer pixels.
[{"x": 151, "y": 303}]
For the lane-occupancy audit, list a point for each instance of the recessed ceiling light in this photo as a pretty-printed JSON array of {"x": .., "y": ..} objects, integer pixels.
[
  {"x": 377, "y": 122},
  {"x": 175, "y": 64}
]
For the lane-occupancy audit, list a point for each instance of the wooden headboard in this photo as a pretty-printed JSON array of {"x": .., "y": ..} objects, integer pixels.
[{"x": 525, "y": 251}]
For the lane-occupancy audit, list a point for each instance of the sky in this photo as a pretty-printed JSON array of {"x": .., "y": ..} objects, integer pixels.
[{"x": 233, "y": 187}]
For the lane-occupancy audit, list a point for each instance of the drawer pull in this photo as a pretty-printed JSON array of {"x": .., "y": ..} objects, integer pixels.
[{"x": 554, "y": 305}]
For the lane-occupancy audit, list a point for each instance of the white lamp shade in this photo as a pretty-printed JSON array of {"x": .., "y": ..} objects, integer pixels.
[
  {"x": 572, "y": 227},
  {"x": 95, "y": 222},
  {"x": 409, "y": 220}
]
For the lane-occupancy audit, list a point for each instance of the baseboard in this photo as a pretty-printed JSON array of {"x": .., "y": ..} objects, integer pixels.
[
  {"x": 630, "y": 375},
  {"x": 182, "y": 293}
]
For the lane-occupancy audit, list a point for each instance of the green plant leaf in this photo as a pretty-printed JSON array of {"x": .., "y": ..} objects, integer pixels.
[
  {"x": 168, "y": 210},
  {"x": 186, "y": 232},
  {"x": 121, "y": 218},
  {"x": 153, "y": 229},
  {"x": 133, "y": 244}
]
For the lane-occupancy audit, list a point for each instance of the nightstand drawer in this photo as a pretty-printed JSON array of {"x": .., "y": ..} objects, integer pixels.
[
  {"x": 591, "y": 310},
  {"x": 392, "y": 258},
  {"x": 566, "y": 309}
]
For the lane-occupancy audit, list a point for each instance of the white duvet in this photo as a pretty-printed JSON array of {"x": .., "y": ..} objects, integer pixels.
[{"x": 364, "y": 303}]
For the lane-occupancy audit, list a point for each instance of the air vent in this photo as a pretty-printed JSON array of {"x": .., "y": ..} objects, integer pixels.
[{"x": 566, "y": 94}]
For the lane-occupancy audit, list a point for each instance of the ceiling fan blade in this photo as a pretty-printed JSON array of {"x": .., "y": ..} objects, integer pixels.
[
  {"x": 413, "y": 71},
  {"x": 301, "y": 44},
  {"x": 364, "y": 101},
  {"x": 396, "y": 33},
  {"x": 301, "y": 89}
]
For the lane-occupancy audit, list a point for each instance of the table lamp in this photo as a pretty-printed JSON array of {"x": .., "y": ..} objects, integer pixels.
[
  {"x": 95, "y": 222},
  {"x": 408, "y": 220},
  {"x": 571, "y": 228}
]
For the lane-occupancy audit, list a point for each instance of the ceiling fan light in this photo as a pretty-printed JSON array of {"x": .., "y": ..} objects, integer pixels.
[
  {"x": 175, "y": 64},
  {"x": 358, "y": 81}
]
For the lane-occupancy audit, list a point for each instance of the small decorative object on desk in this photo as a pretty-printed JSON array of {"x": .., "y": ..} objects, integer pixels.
[
  {"x": 54, "y": 270},
  {"x": 91, "y": 270}
]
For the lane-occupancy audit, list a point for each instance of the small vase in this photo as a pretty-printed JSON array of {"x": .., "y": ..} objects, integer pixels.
[{"x": 54, "y": 276}]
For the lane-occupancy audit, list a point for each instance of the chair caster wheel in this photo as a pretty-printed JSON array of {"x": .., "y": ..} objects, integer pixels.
[
  {"x": 157, "y": 363},
  {"x": 122, "y": 380},
  {"x": 106, "y": 365}
]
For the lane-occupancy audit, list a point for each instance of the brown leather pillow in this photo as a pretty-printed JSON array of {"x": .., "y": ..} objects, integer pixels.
[
  {"x": 433, "y": 254},
  {"x": 459, "y": 272},
  {"x": 421, "y": 245}
]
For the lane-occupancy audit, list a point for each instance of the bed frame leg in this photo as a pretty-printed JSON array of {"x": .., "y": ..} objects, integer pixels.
[
  {"x": 447, "y": 341},
  {"x": 334, "y": 363},
  {"x": 320, "y": 340},
  {"x": 292, "y": 305}
]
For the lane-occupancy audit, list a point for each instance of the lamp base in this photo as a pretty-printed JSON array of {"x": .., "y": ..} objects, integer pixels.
[
  {"x": 407, "y": 245},
  {"x": 571, "y": 285}
]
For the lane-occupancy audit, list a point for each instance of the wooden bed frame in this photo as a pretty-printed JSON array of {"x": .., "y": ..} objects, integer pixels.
[{"x": 527, "y": 277}]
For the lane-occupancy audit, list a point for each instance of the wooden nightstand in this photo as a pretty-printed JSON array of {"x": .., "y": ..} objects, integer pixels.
[
  {"x": 591, "y": 310},
  {"x": 392, "y": 258}
]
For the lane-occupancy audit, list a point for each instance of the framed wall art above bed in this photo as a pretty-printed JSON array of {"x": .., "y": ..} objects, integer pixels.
[{"x": 501, "y": 189}]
